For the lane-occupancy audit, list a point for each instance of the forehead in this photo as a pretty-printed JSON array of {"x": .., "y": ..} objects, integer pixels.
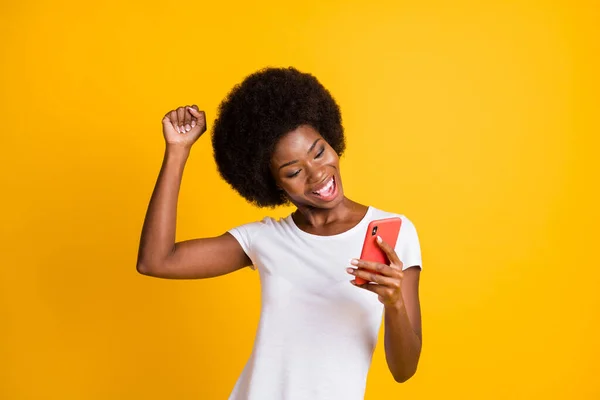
[{"x": 297, "y": 141}]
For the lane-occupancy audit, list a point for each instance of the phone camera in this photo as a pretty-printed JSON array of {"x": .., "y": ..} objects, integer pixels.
[{"x": 374, "y": 231}]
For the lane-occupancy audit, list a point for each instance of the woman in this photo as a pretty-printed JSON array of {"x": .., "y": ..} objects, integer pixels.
[{"x": 277, "y": 139}]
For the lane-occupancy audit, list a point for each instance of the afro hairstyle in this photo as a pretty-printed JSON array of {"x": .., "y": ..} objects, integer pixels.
[{"x": 257, "y": 112}]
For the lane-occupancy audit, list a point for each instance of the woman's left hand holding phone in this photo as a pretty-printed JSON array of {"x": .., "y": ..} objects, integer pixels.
[{"x": 386, "y": 280}]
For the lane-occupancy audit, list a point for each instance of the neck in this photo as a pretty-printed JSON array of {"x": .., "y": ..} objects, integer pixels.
[{"x": 319, "y": 217}]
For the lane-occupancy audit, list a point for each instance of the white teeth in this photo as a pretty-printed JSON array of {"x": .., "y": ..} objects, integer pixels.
[{"x": 325, "y": 188}]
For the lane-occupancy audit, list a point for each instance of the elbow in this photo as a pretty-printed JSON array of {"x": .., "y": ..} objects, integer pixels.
[
  {"x": 144, "y": 269},
  {"x": 141, "y": 269},
  {"x": 403, "y": 377}
]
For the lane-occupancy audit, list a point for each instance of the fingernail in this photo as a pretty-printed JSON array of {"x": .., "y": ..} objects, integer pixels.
[
  {"x": 177, "y": 129},
  {"x": 193, "y": 124},
  {"x": 379, "y": 239},
  {"x": 354, "y": 262},
  {"x": 188, "y": 127},
  {"x": 350, "y": 270}
]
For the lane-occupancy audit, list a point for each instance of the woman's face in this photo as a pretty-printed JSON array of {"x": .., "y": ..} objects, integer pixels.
[{"x": 307, "y": 169}]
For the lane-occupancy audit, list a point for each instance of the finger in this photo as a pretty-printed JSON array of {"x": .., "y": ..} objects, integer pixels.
[
  {"x": 195, "y": 111},
  {"x": 201, "y": 117},
  {"x": 389, "y": 251},
  {"x": 370, "y": 276},
  {"x": 187, "y": 119},
  {"x": 181, "y": 118},
  {"x": 173, "y": 119},
  {"x": 193, "y": 117},
  {"x": 383, "y": 269}
]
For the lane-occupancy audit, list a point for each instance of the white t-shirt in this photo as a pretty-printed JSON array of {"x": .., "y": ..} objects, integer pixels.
[{"x": 317, "y": 332}]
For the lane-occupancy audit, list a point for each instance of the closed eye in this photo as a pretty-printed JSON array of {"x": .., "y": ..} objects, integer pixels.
[
  {"x": 319, "y": 155},
  {"x": 320, "y": 152}
]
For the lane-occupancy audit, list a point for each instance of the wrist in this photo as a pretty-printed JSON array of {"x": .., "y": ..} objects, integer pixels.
[
  {"x": 179, "y": 151},
  {"x": 395, "y": 307}
]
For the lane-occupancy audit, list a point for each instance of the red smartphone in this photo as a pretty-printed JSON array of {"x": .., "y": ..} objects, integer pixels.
[{"x": 388, "y": 229}]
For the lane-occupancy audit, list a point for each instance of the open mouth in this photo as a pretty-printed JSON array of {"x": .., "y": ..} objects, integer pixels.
[{"x": 327, "y": 191}]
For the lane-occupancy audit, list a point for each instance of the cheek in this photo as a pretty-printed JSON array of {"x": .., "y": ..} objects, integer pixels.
[
  {"x": 294, "y": 187},
  {"x": 332, "y": 159},
  {"x": 331, "y": 155}
]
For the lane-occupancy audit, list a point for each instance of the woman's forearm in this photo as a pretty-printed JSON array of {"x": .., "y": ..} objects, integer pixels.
[
  {"x": 402, "y": 344},
  {"x": 158, "y": 233}
]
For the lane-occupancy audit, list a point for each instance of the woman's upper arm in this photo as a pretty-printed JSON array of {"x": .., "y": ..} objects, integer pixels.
[{"x": 201, "y": 258}]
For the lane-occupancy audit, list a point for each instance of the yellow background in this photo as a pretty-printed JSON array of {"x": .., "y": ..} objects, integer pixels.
[{"x": 477, "y": 120}]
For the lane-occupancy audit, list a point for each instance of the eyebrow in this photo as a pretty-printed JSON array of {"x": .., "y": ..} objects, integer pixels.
[{"x": 295, "y": 161}]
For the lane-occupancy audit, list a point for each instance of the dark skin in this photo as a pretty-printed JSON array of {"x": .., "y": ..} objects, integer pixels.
[
  {"x": 302, "y": 161},
  {"x": 315, "y": 162}
]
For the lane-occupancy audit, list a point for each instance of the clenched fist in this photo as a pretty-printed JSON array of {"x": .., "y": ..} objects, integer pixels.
[{"x": 183, "y": 126}]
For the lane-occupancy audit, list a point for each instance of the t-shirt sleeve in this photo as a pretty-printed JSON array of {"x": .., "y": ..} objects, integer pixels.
[
  {"x": 408, "y": 247},
  {"x": 245, "y": 235}
]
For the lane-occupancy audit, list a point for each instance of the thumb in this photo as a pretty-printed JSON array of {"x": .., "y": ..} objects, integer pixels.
[{"x": 196, "y": 113}]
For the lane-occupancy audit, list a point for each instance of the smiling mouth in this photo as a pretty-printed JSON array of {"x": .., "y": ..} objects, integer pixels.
[{"x": 326, "y": 190}]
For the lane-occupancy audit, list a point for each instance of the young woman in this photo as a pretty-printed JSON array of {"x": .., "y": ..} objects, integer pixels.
[{"x": 277, "y": 139}]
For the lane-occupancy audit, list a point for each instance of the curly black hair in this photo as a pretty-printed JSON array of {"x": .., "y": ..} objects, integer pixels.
[{"x": 256, "y": 114}]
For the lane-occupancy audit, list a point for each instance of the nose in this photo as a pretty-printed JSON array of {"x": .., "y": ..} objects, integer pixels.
[{"x": 316, "y": 174}]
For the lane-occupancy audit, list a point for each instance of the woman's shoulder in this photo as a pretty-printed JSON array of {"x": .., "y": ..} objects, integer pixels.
[
  {"x": 378, "y": 213},
  {"x": 265, "y": 222}
]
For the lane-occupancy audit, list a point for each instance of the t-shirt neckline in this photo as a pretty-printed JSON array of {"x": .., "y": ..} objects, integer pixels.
[{"x": 348, "y": 232}]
